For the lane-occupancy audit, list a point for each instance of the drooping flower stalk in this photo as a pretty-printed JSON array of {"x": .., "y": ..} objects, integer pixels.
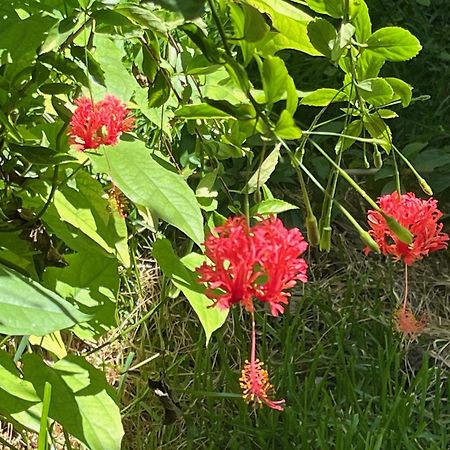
[
  {"x": 254, "y": 380},
  {"x": 405, "y": 321},
  {"x": 421, "y": 218}
]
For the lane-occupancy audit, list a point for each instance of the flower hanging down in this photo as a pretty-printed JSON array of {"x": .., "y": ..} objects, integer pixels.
[
  {"x": 94, "y": 124},
  {"x": 254, "y": 380},
  {"x": 419, "y": 216},
  {"x": 258, "y": 262},
  {"x": 406, "y": 323}
]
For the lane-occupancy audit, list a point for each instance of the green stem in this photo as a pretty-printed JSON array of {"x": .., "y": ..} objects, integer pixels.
[
  {"x": 423, "y": 184},
  {"x": 219, "y": 27},
  {"x": 367, "y": 239}
]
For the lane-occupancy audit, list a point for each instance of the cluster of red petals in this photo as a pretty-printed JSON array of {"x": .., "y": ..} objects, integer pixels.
[
  {"x": 256, "y": 387},
  {"x": 419, "y": 216},
  {"x": 94, "y": 124},
  {"x": 407, "y": 324},
  {"x": 261, "y": 261}
]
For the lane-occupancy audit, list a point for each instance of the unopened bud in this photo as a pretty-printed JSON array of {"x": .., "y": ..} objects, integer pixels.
[
  {"x": 312, "y": 230},
  {"x": 369, "y": 241},
  {"x": 377, "y": 159},
  {"x": 400, "y": 231},
  {"x": 425, "y": 186},
  {"x": 325, "y": 239}
]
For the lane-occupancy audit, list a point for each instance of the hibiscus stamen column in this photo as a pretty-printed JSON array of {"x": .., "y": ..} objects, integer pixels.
[{"x": 254, "y": 379}]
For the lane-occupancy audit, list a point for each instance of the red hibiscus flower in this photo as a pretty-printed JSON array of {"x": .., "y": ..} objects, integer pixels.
[
  {"x": 94, "y": 124},
  {"x": 278, "y": 251},
  {"x": 258, "y": 262},
  {"x": 419, "y": 216},
  {"x": 231, "y": 276}
]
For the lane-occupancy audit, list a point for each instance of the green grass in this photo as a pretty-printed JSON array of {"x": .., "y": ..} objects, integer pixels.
[{"x": 349, "y": 380}]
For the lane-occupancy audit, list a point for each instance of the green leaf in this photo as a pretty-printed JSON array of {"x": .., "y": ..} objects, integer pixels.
[
  {"x": 362, "y": 23},
  {"x": 352, "y": 129},
  {"x": 142, "y": 16},
  {"x": 91, "y": 281},
  {"x": 16, "y": 253},
  {"x": 387, "y": 113},
  {"x": 255, "y": 26},
  {"x": 271, "y": 206},
  {"x": 393, "y": 44},
  {"x": 148, "y": 184},
  {"x": 402, "y": 90},
  {"x": 343, "y": 38},
  {"x": 290, "y": 21},
  {"x": 82, "y": 218},
  {"x": 22, "y": 38},
  {"x": 262, "y": 174},
  {"x": 11, "y": 382},
  {"x": 190, "y": 9},
  {"x": 211, "y": 318},
  {"x": 378, "y": 129},
  {"x": 369, "y": 65},
  {"x": 377, "y": 91},
  {"x": 29, "y": 308},
  {"x": 82, "y": 400},
  {"x": 335, "y": 8},
  {"x": 322, "y": 36},
  {"x": 118, "y": 81},
  {"x": 274, "y": 78},
  {"x": 286, "y": 128},
  {"x": 40, "y": 156},
  {"x": 323, "y": 97},
  {"x": 201, "y": 111}
]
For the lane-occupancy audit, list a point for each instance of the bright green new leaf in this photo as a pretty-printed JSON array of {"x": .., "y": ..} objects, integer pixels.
[
  {"x": 335, "y": 8},
  {"x": 362, "y": 23},
  {"x": 402, "y": 90},
  {"x": 271, "y": 206},
  {"x": 323, "y": 97},
  {"x": 201, "y": 111},
  {"x": 290, "y": 21},
  {"x": 22, "y": 38},
  {"x": 393, "y": 44},
  {"x": 147, "y": 183},
  {"x": 51, "y": 342},
  {"x": 376, "y": 91},
  {"x": 274, "y": 78},
  {"x": 82, "y": 400},
  {"x": 29, "y": 308},
  {"x": 211, "y": 318},
  {"x": 286, "y": 128},
  {"x": 262, "y": 174}
]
